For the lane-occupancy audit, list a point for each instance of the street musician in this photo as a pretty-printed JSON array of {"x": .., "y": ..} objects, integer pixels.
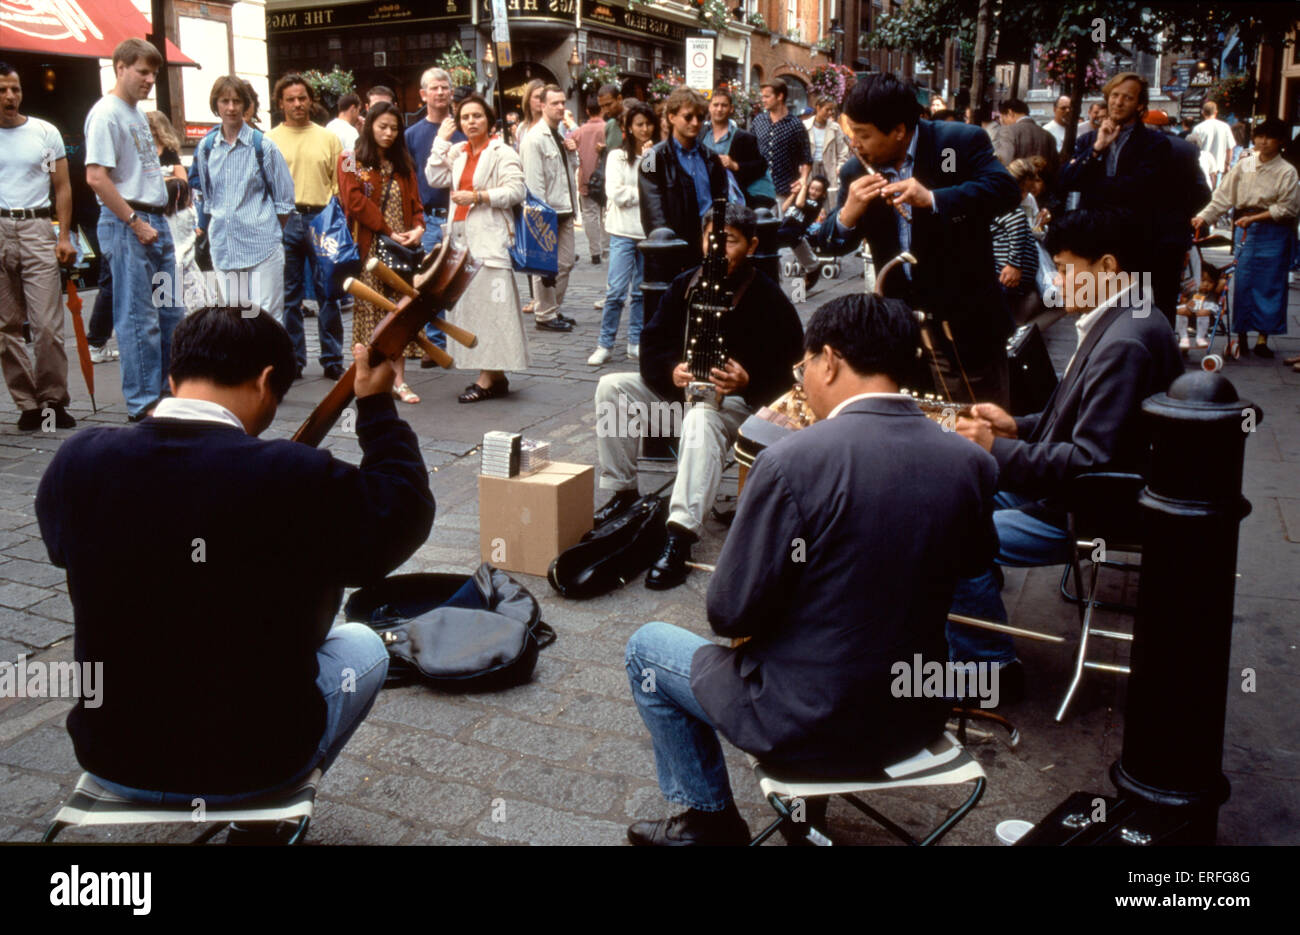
[{"x": 762, "y": 337}]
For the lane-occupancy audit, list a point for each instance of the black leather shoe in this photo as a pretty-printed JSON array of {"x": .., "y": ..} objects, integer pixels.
[
  {"x": 29, "y": 420},
  {"x": 669, "y": 569},
  {"x": 334, "y": 372},
  {"x": 260, "y": 833},
  {"x": 555, "y": 324},
  {"x": 560, "y": 316},
  {"x": 62, "y": 419},
  {"x": 692, "y": 829},
  {"x": 613, "y": 507}
]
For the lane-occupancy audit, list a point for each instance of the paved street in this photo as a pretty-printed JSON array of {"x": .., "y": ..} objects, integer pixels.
[{"x": 565, "y": 759}]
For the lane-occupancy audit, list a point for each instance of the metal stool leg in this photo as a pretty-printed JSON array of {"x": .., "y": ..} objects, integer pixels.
[{"x": 1082, "y": 656}]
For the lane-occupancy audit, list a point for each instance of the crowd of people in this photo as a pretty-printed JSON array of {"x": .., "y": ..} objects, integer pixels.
[{"x": 998, "y": 221}]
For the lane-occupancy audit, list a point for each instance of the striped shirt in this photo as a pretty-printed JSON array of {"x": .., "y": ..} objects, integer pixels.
[
  {"x": 244, "y": 229},
  {"x": 1014, "y": 245}
]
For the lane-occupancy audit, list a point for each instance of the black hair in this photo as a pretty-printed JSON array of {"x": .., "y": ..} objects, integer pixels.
[
  {"x": 629, "y": 142},
  {"x": 593, "y": 106},
  {"x": 347, "y": 102},
  {"x": 610, "y": 90},
  {"x": 873, "y": 334},
  {"x": 1209, "y": 269},
  {"x": 821, "y": 178},
  {"x": 6, "y": 70},
  {"x": 1015, "y": 105},
  {"x": 741, "y": 217},
  {"x": 481, "y": 101},
  {"x": 227, "y": 345},
  {"x": 1273, "y": 127},
  {"x": 178, "y": 195},
  {"x": 884, "y": 101},
  {"x": 1091, "y": 233},
  {"x": 367, "y": 150}
]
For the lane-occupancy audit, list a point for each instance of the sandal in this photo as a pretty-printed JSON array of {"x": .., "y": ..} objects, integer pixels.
[
  {"x": 475, "y": 393},
  {"x": 530, "y": 308},
  {"x": 405, "y": 394}
]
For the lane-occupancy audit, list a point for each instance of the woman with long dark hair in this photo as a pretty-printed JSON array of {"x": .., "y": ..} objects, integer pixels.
[
  {"x": 486, "y": 180},
  {"x": 379, "y": 194},
  {"x": 1263, "y": 191},
  {"x": 623, "y": 222}
]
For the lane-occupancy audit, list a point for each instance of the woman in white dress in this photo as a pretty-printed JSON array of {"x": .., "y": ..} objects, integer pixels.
[{"x": 486, "y": 180}]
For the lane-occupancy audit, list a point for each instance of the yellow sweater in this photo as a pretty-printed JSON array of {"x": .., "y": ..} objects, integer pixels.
[{"x": 313, "y": 155}]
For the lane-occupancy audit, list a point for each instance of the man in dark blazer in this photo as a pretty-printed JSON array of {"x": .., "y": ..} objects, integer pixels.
[
  {"x": 737, "y": 150},
  {"x": 205, "y": 575},
  {"x": 1130, "y": 166},
  {"x": 839, "y": 565},
  {"x": 1019, "y": 137},
  {"x": 936, "y": 188},
  {"x": 675, "y": 175},
  {"x": 1092, "y": 422}
]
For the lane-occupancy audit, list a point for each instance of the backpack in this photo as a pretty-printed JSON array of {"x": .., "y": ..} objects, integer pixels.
[{"x": 199, "y": 171}]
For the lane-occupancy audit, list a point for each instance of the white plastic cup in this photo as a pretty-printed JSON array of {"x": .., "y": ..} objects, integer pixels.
[{"x": 1012, "y": 830}]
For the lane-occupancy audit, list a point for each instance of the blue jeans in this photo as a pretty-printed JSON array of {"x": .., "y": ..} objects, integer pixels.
[
  {"x": 688, "y": 756},
  {"x": 144, "y": 327},
  {"x": 297, "y": 250},
  {"x": 626, "y": 269},
  {"x": 430, "y": 241},
  {"x": 1023, "y": 541},
  {"x": 348, "y": 646}
]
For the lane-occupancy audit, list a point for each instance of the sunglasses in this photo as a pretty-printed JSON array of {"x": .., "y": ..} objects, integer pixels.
[{"x": 690, "y": 116}]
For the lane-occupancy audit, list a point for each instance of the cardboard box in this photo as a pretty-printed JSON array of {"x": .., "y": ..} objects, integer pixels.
[{"x": 525, "y": 522}]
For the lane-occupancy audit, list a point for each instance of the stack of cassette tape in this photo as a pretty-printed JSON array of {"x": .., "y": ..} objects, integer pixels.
[{"x": 501, "y": 452}]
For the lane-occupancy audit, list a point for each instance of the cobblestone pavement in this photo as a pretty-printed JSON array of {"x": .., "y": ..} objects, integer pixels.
[{"x": 565, "y": 759}]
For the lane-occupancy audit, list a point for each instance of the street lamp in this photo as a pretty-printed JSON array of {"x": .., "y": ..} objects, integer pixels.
[
  {"x": 575, "y": 64},
  {"x": 489, "y": 63}
]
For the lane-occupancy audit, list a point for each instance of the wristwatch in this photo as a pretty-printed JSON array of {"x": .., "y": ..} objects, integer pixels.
[{"x": 132, "y": 219}]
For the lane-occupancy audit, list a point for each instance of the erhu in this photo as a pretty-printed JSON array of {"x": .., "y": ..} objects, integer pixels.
[
  {"x": 442, "y": 279},
  {"x": 706, "y": 302}
]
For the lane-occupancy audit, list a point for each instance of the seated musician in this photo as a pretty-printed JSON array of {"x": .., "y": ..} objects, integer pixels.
[
  {"x": 840, "y": 563},
  {"x": 206, "y": 576},
  {"x": 1092, "y": 422},
  {"x": 762, "y": 335}
]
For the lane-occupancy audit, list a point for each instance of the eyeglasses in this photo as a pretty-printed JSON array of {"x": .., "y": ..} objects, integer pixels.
[
  {"x": 690, "y": 116},
  {"x": 798, "y": 370}
]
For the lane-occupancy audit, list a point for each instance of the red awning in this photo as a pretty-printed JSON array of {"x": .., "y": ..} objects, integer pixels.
[{"x": 86, "y": 28}]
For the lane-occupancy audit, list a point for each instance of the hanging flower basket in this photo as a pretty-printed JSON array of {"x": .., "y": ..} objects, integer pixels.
[
  {"x": 831, "y": 81},
  {"x": 595, "y": 76}
]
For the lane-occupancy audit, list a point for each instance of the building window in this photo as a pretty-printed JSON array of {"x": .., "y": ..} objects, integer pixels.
[{"x": 791, "y": 15}]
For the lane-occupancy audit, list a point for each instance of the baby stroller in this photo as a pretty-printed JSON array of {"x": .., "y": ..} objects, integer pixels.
[{"x": 1222, "y": 323}]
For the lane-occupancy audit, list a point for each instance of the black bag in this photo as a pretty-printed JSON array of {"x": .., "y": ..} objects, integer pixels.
[
  {"x": 596, "y": 183},
  {"x": 486, "y": 638},
  {"x": 404, "y": 261},
  {"x": 1029, "y": 369},
  {"x": 613, "y": 554}
]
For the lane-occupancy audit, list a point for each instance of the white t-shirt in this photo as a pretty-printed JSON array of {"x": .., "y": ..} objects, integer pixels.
[
  {"x": 1216, "y": 139},
  {"x": 1057, "y": 131},
  {"x": 119, "y": 139},
  {"x": 819, "y": 142},
  {"x": 345, "y": 131},
  {"x": 27, "y": 156}
]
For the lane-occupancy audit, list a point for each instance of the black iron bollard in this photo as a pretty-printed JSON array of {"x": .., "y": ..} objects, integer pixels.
[
  {"x": 767, "y": 258},
  {"x": 666, "y": 255},
  {"x": 1192, "y": 506}
]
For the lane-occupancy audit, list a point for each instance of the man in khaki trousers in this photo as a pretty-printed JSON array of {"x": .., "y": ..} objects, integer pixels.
[{"x": 31, "y": 151}]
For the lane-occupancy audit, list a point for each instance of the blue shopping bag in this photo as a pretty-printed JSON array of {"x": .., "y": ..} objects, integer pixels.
[
  {"x": 334, "y": 247},
  {"x": 535, "y": 249}
]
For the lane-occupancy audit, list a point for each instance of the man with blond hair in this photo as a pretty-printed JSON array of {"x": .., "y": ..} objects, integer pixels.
[{"x": 123, "y": 170}]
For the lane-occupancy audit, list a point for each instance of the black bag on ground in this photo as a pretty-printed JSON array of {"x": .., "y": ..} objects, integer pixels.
[
  {"x": 613, "y": 554},
  {"x": 1029, "y": 370},
  {"x": 453, "y": 633}
]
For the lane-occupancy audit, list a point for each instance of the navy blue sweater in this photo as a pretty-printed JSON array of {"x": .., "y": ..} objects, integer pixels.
[{"x": 209, "y": 648}]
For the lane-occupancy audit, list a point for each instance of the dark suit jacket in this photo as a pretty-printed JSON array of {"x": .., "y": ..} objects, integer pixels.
[
  {"x": 840, "y": 563},
  {"x": 762, "y": 333},
  {"x": 1023, "y": 139},
  {"x": 667, "y": 193},
  {"x": 1140, "y": 181},
  {"x": 1093, "y": 421},
  {"x": 211, "y": 664},
  {"x": 1183, "y": 195},
  {"x": 954, "y": 279}
]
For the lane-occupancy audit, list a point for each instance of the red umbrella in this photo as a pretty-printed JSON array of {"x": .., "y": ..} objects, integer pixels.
[{"x": 83, "y": 346}]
